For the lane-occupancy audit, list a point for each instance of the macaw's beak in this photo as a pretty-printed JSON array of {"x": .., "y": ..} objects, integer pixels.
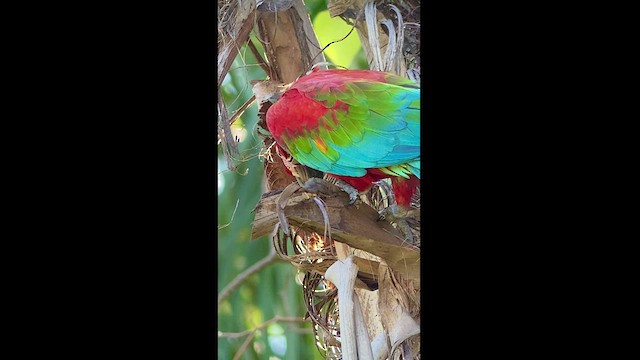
[{"x": 268, "y": 90}]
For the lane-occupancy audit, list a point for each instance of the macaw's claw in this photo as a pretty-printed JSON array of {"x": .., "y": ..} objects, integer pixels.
[
  {"x": 350, "y": 190},
  {"x": 316, "y": 185},
  {"x": 397, "y": 216}
]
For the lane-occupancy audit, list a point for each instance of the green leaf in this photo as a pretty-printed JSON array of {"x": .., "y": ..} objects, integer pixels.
[{"x": 342, "y": 53}]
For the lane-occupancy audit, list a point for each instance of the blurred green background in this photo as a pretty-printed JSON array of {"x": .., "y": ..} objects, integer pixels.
[{"x": 274, "y": 290}]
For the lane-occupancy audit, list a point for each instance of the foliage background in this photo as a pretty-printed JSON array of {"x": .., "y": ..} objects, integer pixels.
[{"x": 274, "y": 290}]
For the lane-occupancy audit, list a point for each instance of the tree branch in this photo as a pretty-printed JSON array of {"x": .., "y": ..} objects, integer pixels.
[
  {"x": 277, "y": 318},
  {"x": 267, "y": 260},
  {"x": 356, "y": 226},
  {"x": 233, "y": 33},
  {"x": 244, "y": 346},
  {"x": 261, "y": 61},
  {"x": 241, "y": 110},
  {"x": 229, "y": 146}
]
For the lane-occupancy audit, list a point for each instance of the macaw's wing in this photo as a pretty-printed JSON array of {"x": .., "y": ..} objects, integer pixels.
[{"x": 345, "y": 121}]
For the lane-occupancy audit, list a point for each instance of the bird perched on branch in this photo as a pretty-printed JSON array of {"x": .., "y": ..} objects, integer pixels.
[{"x": 359, "y": 126}]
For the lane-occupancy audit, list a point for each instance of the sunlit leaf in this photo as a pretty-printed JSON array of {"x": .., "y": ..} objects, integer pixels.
[
  {"x": 253, "y": 316},
  {"x": 341, "y": 53}
]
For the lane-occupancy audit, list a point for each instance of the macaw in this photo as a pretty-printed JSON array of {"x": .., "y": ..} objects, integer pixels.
[{"x": 359, "y": 126}]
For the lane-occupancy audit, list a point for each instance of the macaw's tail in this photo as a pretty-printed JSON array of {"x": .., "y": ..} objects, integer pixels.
[{"x": 403, "y": 189}]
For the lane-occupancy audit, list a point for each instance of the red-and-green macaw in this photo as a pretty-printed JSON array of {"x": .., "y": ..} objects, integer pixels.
[{"x": 360, "y": 126}]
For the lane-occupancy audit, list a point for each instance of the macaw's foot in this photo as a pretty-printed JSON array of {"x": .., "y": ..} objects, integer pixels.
[
  {"x": 398, "y": 217},
  {"x": 350, "y": 190},
  {"x": 328, "y": 187}
]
